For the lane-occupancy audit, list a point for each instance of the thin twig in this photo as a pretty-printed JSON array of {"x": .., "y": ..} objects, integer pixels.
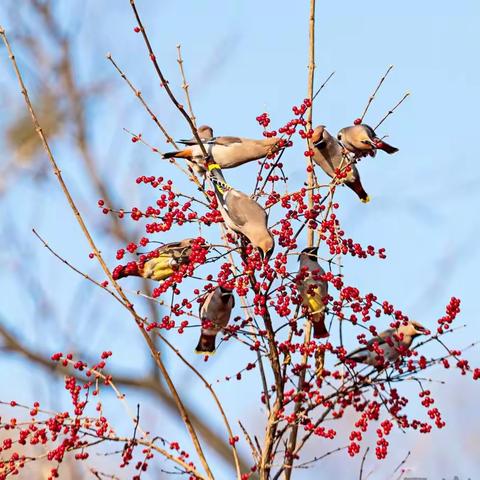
[
  {"x": 321, "y": 457},
  {"x": 185, "y": 85},
  {"x": 256, "y": 454},
  {"x": 138, "y": 94},
  {"x": 75, "y": 269},
  {"x": 360, "y": 476},
  {"x": 372, "y": 96},
  {"x": 322, "y": 86},
  {"x": 400, "y": 466},
  {"x": 407, "y": 94},
  {"x": 155, "y": 150}
]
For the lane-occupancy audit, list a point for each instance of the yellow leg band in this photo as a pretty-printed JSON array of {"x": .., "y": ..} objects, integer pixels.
[{"x": 213, "y": 166}]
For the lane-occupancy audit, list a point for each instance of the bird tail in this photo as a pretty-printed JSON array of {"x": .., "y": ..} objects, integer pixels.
[
  {"x": 357, "y": 187},
  {"x": 358, "y": 356},
  {"x": 122, "y": 271},
  {"x": 319, "y": 328},
  {"x": 187, "y": 153},
  {"x": 206, "y": 345},
  {"x": 386, "y": 147}
]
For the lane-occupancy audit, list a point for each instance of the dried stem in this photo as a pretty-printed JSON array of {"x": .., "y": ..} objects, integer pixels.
[
  {"x": 75, "y": 269},
  {"x": 272, "y": 423},
  {"x": 185, "y": 85},
  {"x": 138, "y": 94},
  {"x": 215, "y": 398},
  {"x": 401, "y": 465},
  {"x": 321, "y": 457},
  {"x": 407, "y": 94},
  {"x": 170, "y": 160},
  {"x": 360, "y": 476},
  {"x": 372, "y": 96},
  {"x": 292, "y": 441}
]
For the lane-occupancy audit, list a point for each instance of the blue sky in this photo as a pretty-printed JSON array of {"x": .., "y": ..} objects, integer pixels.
[{"x": 244, "y": 58}]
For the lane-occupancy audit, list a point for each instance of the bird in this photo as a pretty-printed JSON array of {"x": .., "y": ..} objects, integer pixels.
[
  {"x": 393, "y": 342},
  {"x": 215, "y": 314},
  {"x": 159, "y": 264},
  {"x": 245, "y": 216},
  {"x": 362, "y": 139},
  {"x": 330, "y": 156},
  {"x": 226, "y": 152},
  {"x": 313, "y": 290}
]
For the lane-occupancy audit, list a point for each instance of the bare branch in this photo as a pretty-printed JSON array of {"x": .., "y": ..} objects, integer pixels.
[
  {"x": 372, "y": 96},
  {"x": 185, "y": 85},
  {"x": 392, "y": 110}
]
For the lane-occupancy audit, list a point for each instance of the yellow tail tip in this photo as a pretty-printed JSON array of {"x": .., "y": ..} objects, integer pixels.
[
  {"x": 366, "y": 199},
  {"x": 203, "y": 352}
]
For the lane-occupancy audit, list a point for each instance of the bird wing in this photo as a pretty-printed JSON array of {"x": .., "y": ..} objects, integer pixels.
[
  {"x": 158, "y": 268},
  {"x": 178, "y": 250},
  {"x": 170, "y": 247},
  {"x": 384, "y": 335},
  {"x": 190, "y": 141},
  {"x": 241, "y": 208},
  {"x": 312, "y": 293},
  {"x": 193, "y": 141},
  {"x": 202, "y": 310},
  {"x": 370, "y": 131},
  {"x": 224, "y": 141},
  {"x": 381, "y": 339}
]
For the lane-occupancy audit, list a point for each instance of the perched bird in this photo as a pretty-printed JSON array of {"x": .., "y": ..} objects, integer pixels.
[
  {"x": 361, "y": 139},
  {"x": 244, "y": 215},
  {"x": 158, "y": 264},
  {"x": 329, "y": 155},
  {"x": 227, "y": 152},
  {"x": 215, "y": 315},
  {"x": 393, "y": 343},
  {"x": 313, "y": 290}
]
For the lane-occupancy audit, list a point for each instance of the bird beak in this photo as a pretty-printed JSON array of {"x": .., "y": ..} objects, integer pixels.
[
  {"x": 421, "y": 330},
  {"x": 265, "y": 255}
]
